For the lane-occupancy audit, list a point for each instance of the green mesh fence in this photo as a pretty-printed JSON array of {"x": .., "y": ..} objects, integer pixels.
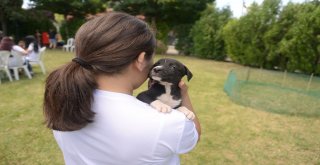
[{"x": 278, "y": 92}]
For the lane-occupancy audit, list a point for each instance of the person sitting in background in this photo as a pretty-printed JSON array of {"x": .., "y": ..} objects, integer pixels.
[
  {"x": 22, "y": 44},
  {"x": 1, "y": 35},
  {"x": 45, "y": 39},
  {"x": 33, "y": 49},
  {"x": 8, "y": 45},
  {"x": 52, "y": 39},
  {"x": 60, "y": 41},
  {"x": 38, "y": 36}
]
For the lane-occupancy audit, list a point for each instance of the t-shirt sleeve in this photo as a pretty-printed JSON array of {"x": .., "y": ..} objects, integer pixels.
[
  {"x": 30, "y": 47},
  {"x": 18, "y": 49},
  {"x": 179, "y": 135}
]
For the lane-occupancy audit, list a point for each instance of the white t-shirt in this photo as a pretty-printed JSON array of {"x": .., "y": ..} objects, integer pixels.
[
  {"x": 127, "y": 131},
  {"x": 18, "y": 49},
  {"x": 32, "y": 56}
]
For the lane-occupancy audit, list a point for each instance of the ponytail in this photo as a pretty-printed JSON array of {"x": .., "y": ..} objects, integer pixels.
[{"x": 68, "y": 97}]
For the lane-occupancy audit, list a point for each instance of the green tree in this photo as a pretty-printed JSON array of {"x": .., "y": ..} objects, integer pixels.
[
  {"x": 18, "y": 22},
  {"x": 248, "y": 32},
  {"x": 233, "y": 41},
  {"x": 302, "y": 42},
  {"x": 275, "y": 37},
  {"x": 207, "y": 33},
  {"x": 173, "y": 12},
  {"x": 69, "y": 28},
  {"x": 241, "y": 39},
  {"x": 77, "y": 8},
  {"x": 9, "y": 10},
  {"x": 166, "y": 15}
]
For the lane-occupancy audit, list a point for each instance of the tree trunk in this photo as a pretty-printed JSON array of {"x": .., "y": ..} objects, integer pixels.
[
  {"x": 66, "y": 27},
  {"x": 315, "y": 65},
  {"x": 3, "y": 22}
]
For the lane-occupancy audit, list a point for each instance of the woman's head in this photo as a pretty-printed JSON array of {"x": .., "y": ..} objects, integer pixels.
[
  {"x": 30, "y": 39},
  {"x": 111, "y": 42},
  {"x": 105, "y": 45},
  {"x": 22, "y": 44},
  {"x": 6, "y": 43}
]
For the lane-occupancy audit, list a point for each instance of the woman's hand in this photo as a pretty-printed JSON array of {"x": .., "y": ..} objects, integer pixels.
[
  {"x": 186, "y": 102},
  {"x": 183, "y": 86},
  {"x": 184, "y": 94}
]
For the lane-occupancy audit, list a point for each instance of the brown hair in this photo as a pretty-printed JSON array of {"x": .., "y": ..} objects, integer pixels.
[
  {"x": 108, "y": 44},
  {"x": 6, "y": 43}
]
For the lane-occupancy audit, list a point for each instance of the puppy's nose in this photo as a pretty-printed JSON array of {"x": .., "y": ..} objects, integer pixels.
[{"x": 157, "y": 69}]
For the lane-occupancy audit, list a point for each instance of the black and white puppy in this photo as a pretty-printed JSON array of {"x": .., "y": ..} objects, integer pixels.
[{"x": 164, "y": 91}]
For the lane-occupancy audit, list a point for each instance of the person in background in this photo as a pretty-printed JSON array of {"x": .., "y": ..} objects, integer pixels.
[
  {"x": 1, "y": 35},
  {"x": 89, "y": 102},
  {"x": 52, "y": 39},
  {"x": 33, "y": 49},
  {"x": 22, "y": 44},
  {"x": 38, "y": 36},
  {"x": 45, "y": 39},
  {"x": 60, "y": 41},
  {"x": 8, "y": 45}
]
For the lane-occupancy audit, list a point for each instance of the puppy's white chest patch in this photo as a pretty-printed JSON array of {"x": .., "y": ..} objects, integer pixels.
[{"x": 167, "y": 98}]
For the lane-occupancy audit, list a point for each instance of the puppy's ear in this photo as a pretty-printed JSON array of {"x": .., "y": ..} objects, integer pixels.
[{"x": 188, "y": 73}]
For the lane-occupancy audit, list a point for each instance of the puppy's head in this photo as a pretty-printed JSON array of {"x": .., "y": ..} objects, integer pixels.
[{"x": 170, "y": 71}]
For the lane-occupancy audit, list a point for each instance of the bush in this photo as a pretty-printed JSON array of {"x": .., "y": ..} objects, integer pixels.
[
  {"x": 185, "y": 43},
  {"x": 207, "y": 33},
  {"x": 161, "y": 47},
  {"x": 20, "y": 29},
  {"x": 69, "y": 28}
]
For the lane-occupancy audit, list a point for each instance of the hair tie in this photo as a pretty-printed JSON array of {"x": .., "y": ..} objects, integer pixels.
[{"x": 82, "y": 63}]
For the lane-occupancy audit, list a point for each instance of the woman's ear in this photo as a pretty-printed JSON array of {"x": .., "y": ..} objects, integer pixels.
[{"x": 140, "y": 61}]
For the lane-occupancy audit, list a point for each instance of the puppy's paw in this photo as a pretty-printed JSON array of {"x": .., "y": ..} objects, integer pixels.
[
  {"x": 189, "y": 114},
  {"x": 161, "y": 107}
]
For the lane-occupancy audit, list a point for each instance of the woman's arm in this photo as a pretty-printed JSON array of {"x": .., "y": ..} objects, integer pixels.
[
  {"x": 186, "y": 102},
  {"x": 19, "y": 49}
]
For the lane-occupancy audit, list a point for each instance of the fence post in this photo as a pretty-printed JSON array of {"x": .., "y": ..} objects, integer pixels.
[
  {"x": 309, "y": 83},
  {"x": 284, "y": 78}
]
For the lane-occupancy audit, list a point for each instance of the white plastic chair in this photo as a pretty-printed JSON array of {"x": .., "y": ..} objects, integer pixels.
[
  {"x": 4, "y": 59},
  {"x": 39, "y": 61},
  {"x": 16, "y": 62},
  {"x": 72, "y": 48},
  {"x": 68, "y": 46}
]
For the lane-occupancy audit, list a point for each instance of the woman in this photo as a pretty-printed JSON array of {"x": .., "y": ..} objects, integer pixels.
[
  {"x": 45, "y": 39},
  {"x": 8, "y": 45},
  {"x": 89, "y": 104},
  {"x": 33, "y": 49}
]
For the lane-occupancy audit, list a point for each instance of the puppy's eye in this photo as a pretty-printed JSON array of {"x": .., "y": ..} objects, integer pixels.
[{"x": 173, "y": 67}]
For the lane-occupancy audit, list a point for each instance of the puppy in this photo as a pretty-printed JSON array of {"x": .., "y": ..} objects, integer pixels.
[{"x": 164, "y": 93}]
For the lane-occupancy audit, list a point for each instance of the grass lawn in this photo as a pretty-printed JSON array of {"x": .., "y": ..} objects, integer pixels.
[{"x": 232, "y": 134}]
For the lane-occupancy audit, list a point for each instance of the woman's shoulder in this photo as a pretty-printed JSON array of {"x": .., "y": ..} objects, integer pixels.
[
  {"x": 17, "y": 48},
  {"x": 130, "y": 104}
]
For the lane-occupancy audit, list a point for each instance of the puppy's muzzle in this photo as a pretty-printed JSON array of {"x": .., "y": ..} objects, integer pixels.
[
  {"x": 155, "y": 72},
  {"x": 156, "y": 69}
]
